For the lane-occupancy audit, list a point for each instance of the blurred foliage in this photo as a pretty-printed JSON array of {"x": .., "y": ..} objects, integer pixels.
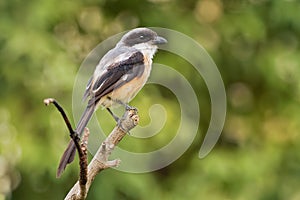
[{"x": 255, "y": 44}]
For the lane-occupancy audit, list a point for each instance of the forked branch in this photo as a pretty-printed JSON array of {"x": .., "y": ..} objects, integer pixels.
[{"x": 100, "y": 161}]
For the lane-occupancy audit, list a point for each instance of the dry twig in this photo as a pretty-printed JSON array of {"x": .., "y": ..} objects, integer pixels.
[
  {"x": 81, "y": 148},
  {"x": 100, "y": 161}
]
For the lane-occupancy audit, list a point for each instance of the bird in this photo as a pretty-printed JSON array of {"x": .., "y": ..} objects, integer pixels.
[{"x": 119, "y": 76}]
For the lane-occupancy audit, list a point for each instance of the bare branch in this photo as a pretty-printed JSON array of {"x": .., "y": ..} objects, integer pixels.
[
  {"x": 48, "y": 101},
  {"x": 73, "y": 134},
  {"x": 100, "y": 161},
  {"x": 83, "y": 163},
  {"x": 81, "y": 148}
]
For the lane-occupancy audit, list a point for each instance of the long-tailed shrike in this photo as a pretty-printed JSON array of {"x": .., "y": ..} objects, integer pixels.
[{"x": 119, "y": 76}]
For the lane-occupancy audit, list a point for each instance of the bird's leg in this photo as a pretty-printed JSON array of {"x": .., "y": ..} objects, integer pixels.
[
  {"x": 116, "y": 118},
  {"x": 127, "y": 107}
]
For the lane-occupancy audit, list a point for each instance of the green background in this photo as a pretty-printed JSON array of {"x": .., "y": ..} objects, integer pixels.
[{"x": 255, "y": 44}]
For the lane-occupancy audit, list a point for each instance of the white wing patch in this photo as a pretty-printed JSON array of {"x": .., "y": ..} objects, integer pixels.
[{"x": 124, "y": 78}]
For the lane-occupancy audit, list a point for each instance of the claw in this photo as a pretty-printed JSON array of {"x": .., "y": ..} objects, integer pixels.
[{"x": 128, "y": 107}]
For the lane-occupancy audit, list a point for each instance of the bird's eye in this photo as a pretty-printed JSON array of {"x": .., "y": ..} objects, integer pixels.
[{"x": 142, "y": 37}]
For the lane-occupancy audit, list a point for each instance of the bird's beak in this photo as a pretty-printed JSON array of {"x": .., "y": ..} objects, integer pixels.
[{"x": 159, "y": 40}]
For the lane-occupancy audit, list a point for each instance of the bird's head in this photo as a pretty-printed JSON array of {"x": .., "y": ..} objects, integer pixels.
[{"x": 142, "y": 39}]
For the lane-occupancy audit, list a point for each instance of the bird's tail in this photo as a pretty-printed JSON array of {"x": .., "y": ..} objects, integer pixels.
[{"x": 70, "y": 151}]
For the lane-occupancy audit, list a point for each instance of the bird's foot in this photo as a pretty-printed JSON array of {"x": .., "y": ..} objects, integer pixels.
[{"x": 128, "y": 107}]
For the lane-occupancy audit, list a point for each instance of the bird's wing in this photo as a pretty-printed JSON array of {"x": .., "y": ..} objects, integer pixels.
[
  {"x": 116, "y": 74},
  {"x": 113, "y": 56}
]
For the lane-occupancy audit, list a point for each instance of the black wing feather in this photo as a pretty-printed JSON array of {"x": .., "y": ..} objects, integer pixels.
[{"x": 133, "y": 67}]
